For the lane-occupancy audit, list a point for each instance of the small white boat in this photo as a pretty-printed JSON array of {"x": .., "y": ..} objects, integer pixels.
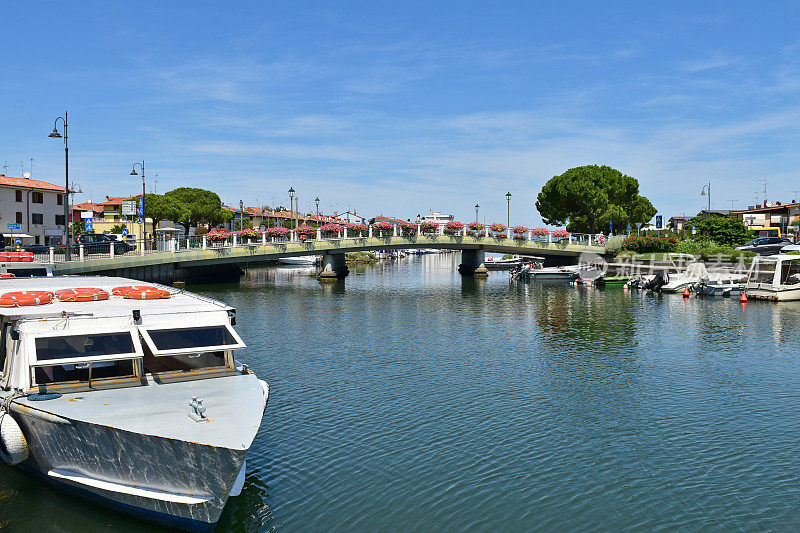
[
  {"x": 716, "y": 280},
  {"x": 307, "y": 260},
  {"x": 564, "y": 273},
  {"x": 775, "y": 277}
]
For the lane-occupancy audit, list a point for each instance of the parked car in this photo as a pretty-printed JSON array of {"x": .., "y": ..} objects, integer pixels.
[
  {"x": 765, "y": 245},
  {"x": 95, "y": 243},
  {"x": 130, "y": 239}
]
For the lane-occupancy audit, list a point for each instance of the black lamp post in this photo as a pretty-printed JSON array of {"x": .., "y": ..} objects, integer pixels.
[
  {"x": 316, "y": 201},
  {"x": 508, "y": 211},
  {"x": 703, "y": 193},
  {"x": 142, "y": 226},
  {"x": 476, "y": 212},
  {"x": 241, "y": 214},
  {"x": 291, "y": 204},
  {"x": 56, "y": 135}
]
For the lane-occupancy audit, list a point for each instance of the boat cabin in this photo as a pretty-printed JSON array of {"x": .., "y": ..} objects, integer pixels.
[
  {"x": 775, "y": 277},
  {"x": 63, "y": 345}
]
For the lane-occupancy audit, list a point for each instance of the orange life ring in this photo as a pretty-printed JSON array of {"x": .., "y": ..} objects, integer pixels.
[
  {"x": 145, "y": 293},
  {"x": 120, "y": 291},
  {"x": 82, "y": 294},
  {"x": 7, "y": 275},
  {"x": 25, "y": 298}
]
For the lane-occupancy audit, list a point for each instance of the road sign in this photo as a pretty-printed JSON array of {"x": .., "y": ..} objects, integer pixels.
[
  {"x": 659, "y": 221},
  {"x": 89, "y": 224},
  {"x": 139, "y": 220},
  {"x": 124, "y": 232},
  {"x": 694, "y": 230},
  {"x": 17, "y": 242},
  {"x": 87, "y": 214},
  {"x": 14, "y": 226},
  {"x": 141, "y": 207},
  {"x": 611, "y": 225},
  {"x": 129, "y": 208}
]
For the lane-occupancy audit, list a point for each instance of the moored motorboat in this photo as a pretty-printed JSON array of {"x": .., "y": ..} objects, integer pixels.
[
  {"x": 306, "y": 260},
  {"x": 774, "y": 277},
  {"x": 127, "y": 394}
]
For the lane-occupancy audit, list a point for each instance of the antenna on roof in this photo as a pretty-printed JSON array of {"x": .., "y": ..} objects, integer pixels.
[
  {"x": 5, "y": 167},
  {"x": 31, "y": 171}
]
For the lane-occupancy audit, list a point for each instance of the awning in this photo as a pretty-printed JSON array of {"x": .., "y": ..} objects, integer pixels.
[{"x": 8, "y": 235}]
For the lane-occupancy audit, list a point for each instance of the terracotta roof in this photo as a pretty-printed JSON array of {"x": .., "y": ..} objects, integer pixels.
[
  {"x": 87, "y": 206},
  {"x": 8, "y": 181},
  {"x": 775, "y": 207},
  {"x": 116, "y": 200}
]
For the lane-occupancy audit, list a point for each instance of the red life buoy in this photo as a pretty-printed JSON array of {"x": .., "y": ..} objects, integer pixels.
[
  {"x": 83, "y": 294},
  {"x": 120, "y": 291},
  {"x": 25, "y": 298}
]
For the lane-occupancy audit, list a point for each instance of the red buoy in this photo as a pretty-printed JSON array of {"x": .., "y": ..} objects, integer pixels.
[
  {"x": 743, "y": 297},
  {"x": 686, "y": 292}
]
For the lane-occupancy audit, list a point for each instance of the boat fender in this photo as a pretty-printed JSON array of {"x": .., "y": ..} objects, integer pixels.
[
  {"x": 13, "y": 446},
  {"x": 265, "y": 388}
]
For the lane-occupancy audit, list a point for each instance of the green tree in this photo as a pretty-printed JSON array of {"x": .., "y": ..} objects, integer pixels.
[
  {"x": 247, "y": 223},
  {"x": 586, "y": 198},
  {"x": 160, "y": 207},
  {"x": 187, "y": 206},
  {"x": 722, "y": 230},
  {"x": 117, "y": 228}
]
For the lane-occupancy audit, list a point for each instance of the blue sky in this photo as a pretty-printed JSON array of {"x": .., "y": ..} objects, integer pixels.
[{"x": 397, "y": 108}]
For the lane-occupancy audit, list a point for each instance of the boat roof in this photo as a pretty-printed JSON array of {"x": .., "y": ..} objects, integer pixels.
[
  {"x": 777, "y": 257},
  {"x": 180, "y": 300}
]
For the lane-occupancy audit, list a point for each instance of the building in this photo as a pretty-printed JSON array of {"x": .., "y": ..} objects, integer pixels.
[
  {"x": 439, "y": 218},
  {"x": 771, "y": 218},
  {"x": 677, "y": 223},
  {"x": 265, "y": 218},
  {"x": 390, "y": 220},
  {"x": 108, "y": 214},
  {"x": 36, "y": 206}
]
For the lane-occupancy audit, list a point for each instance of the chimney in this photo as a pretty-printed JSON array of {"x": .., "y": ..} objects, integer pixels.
[
  {"x": 758, "y": 206},
  {"x": 777, "y": 203}
]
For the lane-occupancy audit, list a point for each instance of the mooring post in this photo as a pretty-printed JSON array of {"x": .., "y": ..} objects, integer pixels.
[
  {"x": 319, "y": 234},
  {"x": 205, "y": 243},
  {"x": 370, "y": 231},
  {"x": 52, "y": 255},
  {"x": 80, "y": 253}
]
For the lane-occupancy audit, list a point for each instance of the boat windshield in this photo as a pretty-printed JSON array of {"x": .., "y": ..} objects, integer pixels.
[
  {"x": 188, "y": 349},
  {"x": 763, "y": 272}
]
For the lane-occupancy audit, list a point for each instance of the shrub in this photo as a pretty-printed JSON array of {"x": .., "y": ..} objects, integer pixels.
[
  {"x": 540, "y": 232},
  {"x": 497, "y": 227},
  {"x": 305, "y": 230},
  {"x": 520, "y": 230},
  {"x": 217, "y": 235},
  {"x": 247, "y": 232},
  {"x": 646, "y": 245},
  {"x": 384, "y": 226},
  {"x": 278, "y": 232},
  {"x": 560, "y": 234},
  {"x": 409, "y": 228},
  {"x": 357, "y": 228},
  {"x": 453, "y": 227},
  {"x": 475, "y": 226},
  {"x": 614, "y": 244}
]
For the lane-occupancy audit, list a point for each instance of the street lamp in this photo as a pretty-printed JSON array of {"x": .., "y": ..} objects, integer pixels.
[
  {"x": 291, "y": 204},
  {"x": 56, "y": 135},
  {"x": 241, "y": 214},
  {"x": 703, "y": 193},
  {"x": 476, "y": 212},
  {"x": 508, "y": 211},
  {"x": 316, "y": 201},
  {"x": 142, "y": 226}
]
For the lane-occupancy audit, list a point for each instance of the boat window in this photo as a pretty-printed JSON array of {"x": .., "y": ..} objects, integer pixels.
[
  {"x": 790, "y": 273},
  {"x": 182, "y": 362},
  {"x": 80, "y": 346},
  {"x": 763, "y": 272},
  {"x": 175, "y": 341},
  {"x": 83, "y": 372}
]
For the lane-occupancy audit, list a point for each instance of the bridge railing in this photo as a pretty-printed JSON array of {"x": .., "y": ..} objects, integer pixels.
[{"x": 163, "y": 244}]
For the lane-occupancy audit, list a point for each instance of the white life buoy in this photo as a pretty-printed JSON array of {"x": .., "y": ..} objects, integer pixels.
[
  {"x": 13, "y": 446},
  {"x": 265, "y": 388}
]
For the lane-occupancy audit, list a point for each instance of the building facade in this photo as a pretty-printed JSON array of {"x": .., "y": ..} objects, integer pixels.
[
  {"x": 37, "y": 207},
  {"x": 771, "y": 218}
]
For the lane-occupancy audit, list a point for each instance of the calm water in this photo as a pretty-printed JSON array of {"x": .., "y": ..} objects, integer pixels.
[{"x": 409, "y": 399}]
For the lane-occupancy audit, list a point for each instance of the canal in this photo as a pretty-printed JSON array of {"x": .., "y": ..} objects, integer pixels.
[{"x": 409, "y": 399}]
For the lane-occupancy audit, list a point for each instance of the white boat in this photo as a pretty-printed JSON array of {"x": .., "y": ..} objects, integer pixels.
[
  {"x": 307, "y": 260},
  {"x": 775, "y": 277},
  {"x": 697, "y": 273},
  {"x": 134, "y": 402},
  {"x": 564, "y": 273}
]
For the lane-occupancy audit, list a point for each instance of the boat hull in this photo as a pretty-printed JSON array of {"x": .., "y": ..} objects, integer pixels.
[{"x": 780, "y": 294}]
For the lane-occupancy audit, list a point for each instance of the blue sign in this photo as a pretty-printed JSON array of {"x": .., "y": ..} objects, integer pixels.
[
  {"x": 141, "y": 207},
  {"x": 89, "y": 224},
  {"x": 124, "y": 232},
  {"x": 15, "y": 226},
  {"x": 694, "y": 230},
  {"x": 659, "y": 221},
  {"x": 17, "y": 241},
  {"x": 611, "y": 225},
  {"x": 139, "y": 220}
]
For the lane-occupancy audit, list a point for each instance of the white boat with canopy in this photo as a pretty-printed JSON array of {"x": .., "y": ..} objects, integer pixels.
[
  {"x": 774, "y": 277},
  {"x": 127, "y": 394}
]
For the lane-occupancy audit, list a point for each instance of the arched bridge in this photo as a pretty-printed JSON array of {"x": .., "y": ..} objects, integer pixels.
[{"x": 176, "y": 259}]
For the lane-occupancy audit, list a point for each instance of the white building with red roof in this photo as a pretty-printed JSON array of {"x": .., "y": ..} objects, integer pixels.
[{"x": 36, "y": 206}]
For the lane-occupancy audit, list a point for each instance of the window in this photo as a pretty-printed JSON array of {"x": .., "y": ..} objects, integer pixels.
[
  {"x": 37, "y": 218},
  {"x": 37, "y": 197},
  {"x": 763, "y": 272},
  {"x": 19, "y": 217},
  {"x": 18, "y": 196},
  {"x": 72, "y": 346},
  {"x": 182, "y": 363},
  {"x": 59, "y": 220},
  {"x": 175, "y": 341},
  {"x": 85, "y": 357},
  {"x": 59, "y": 199}
]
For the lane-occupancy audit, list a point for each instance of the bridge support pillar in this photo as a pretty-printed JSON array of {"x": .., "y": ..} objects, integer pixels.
[
  {"x": 472, "y": 263},
  {"x": 333, "y": 267}
]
